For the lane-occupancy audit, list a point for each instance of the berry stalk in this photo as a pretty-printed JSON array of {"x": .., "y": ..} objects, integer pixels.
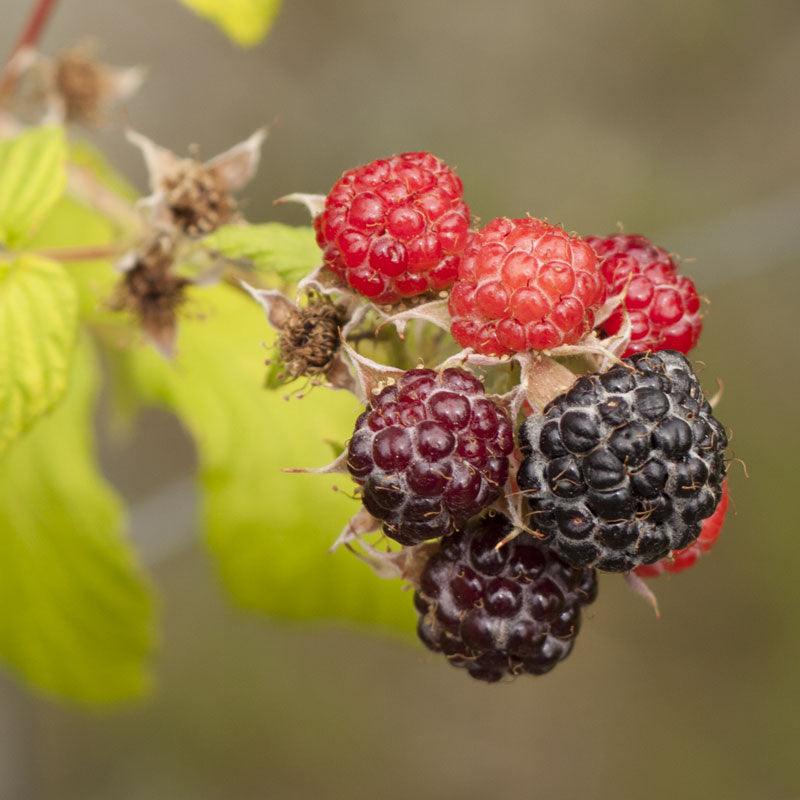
[{"x": 30, "y": 35}]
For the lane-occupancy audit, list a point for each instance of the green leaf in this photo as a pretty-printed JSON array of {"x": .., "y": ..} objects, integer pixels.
[
  {"x": 273, "y": 249},
  {"x": 269, "y": 531},
  {"x": 275, "y": 369},
  {"x": 38, "y": 323},
  {"x": 32, "y": 178},
  {"x": 76, "y": 618},
  {"x": 247, "y": 22},
  {"x": 72, "y": 224}
]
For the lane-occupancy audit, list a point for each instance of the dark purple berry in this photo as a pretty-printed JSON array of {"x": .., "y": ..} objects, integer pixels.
[
  {"x": 430, "y": 452},
  {"x": 500, "y": 613},
  {"x": 628, "y": 477}
]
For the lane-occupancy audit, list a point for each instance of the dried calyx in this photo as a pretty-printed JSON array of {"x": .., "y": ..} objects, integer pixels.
[
  {"x": 152, "y": 290},
  {"x": 73, "y": 87},
  {"x": 309, "y": 339},
  {"x": 193, "y": 197},
  {"x": 83, "y": 85},
  {"x": 197, "y": 199}
]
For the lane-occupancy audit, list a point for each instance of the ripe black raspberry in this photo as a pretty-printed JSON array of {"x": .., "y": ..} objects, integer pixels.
[
  {"x": 499, "y": 612},
  {"x": 430, "y": 452},
  {"x": 624, "y": 467}
]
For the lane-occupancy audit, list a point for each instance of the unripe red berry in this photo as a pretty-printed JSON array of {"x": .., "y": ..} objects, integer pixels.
[
  {"x": 395, "y": 227},
  {"x": 663, "y": 306},
  {"x": 524, "y": 284}
]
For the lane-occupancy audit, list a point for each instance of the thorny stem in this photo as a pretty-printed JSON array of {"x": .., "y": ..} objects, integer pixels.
[{"x": 37, "y": 21}]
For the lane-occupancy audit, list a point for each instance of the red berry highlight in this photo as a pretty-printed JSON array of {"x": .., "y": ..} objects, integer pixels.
[
  {"x": 524, "y": 284},
  {"x": 395, "y": 227},
  {"x": 663, "y": 306}
]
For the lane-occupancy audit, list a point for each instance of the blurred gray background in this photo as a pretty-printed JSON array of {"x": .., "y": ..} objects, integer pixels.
[{"x": 679, "y": 119}]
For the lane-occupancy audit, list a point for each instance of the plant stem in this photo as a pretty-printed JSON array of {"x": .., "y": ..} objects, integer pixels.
[
  {"x": 29, "y": 37},
  {"x": 96, "y": 253}
]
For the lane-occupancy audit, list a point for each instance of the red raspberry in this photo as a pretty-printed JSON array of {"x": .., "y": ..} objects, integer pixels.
[
  {"x": 430, "y": 452},
  {"x": 663, "y": 306},
  {"x": 524, "y": 284},
  {"x": 683, "y": 559},
  {"x": 395, "y": 227}
]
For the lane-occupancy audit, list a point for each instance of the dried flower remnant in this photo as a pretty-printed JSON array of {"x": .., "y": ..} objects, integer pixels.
[
  {"x": 309, "y": 337},
  {"x": 152, "y": 291},
  {"x": 74, "y": 86},
  {"x": 194, "y": 197},
  {"x": 88, "y": 89}
]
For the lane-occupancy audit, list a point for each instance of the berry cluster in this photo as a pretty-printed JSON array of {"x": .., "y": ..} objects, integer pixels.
[{"x": 619, "y": 468}]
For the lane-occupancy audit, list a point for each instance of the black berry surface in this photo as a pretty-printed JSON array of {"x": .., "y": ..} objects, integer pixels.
[
  {"x": 430, "y": 452},
  {"x": 500, "y": 612},
  {"x": 624, "y": 467}
]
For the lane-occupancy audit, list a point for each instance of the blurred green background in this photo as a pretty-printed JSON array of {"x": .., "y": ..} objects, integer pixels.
[{"x": 678, "y": 119}]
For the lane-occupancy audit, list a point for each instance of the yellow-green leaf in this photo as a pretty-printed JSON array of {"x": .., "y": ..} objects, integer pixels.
[
  {"x": 75, "y": 610},
  {"x": 32, "y": 178},
  {"x": 38, "y": 323},
  {"x": 273, "y": 249},
  {"x": 269, "y": 532},
  {"x": 247, "y": 22},
  {"x": 72, "y": 224}
]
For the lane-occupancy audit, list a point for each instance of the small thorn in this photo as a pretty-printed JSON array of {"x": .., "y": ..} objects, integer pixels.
[
  {"x": 713, "y": 402},
  {"x": 641, "y": 588}
]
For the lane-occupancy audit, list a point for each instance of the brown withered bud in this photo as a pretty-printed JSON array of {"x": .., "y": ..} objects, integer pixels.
[
  {"x": 309, "y": 339},
  {"x": 191, "y": 197},
  {"x": 197, "y": 200},
  {"x": 83, "y": 85},
  {"x": 152, "y": 291},
  {"x": 73, "y": 87}
]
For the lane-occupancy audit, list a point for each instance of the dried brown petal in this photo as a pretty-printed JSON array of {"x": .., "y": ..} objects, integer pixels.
[
  {"x": 196, "y": 199},
  {"x": 309, "y": 336},
  {"x": 310, "y": 339},
  {"x": 150, "y": 289},
  {"x": 193, "y": 197}
]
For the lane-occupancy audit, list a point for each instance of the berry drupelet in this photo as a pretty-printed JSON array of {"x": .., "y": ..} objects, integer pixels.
[
  {"x": 688, "y": 557},
  {"x": 623, "y": 468},
  {"x": 500, "y": 612},
  {"x": 524, "y": 284},
  {"x": 395, "y": 227},
  {"x": 663, "y": 306},
  {"x": 430, "y": 452}
]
